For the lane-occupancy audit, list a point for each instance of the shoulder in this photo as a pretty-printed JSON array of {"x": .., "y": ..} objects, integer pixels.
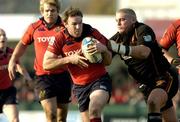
[
  {"x": 175, "y": 25},
  {"x": 61, "y": 36},
  {"x": 141, "y": 27},
  {"x": 115, "y": 36},
  {"x": 36, "y": 24}
]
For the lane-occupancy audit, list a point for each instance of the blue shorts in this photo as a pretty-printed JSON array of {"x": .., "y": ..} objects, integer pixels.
[
  {"x": 54, "y": 85},
  {"x": 7, "y": 96},
  {"x": 82, "y": 92}
]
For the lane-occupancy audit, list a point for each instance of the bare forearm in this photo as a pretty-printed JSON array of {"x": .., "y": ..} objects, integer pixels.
[
  {"x": 55, "y": 63},
  {"x": 23, "y": 72},
  {"x": 138, "y": 52},
  {"x": 18, "y": 51},
  {"x": 107, "y": 57}
]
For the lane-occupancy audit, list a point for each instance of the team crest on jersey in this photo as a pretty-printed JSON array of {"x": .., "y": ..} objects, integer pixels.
[
  {"x": 147, "y": 38},
  {"x": 57, "y": 29},
  {"x": 41, "y": 29}
]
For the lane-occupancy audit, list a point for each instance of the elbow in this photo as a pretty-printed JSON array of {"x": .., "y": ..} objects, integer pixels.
[
  {"x": 107, "y": 63},
  {"x": 46, "y": 66}
]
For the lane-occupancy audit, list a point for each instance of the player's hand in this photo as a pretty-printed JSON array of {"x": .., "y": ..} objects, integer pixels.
[
  {"x": 98, "y": 47},
  {"x": 78, "y": 60},
  {"x": 12, "y": 70},
  {"x": 176, "y": 62},
  {"x": 29, "y": 83}
]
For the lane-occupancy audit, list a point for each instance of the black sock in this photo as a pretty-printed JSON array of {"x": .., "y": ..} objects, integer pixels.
[{"x": 154, "y": 117}]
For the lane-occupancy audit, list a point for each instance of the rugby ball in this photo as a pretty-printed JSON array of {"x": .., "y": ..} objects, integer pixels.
[{"x": 86, "y": 42}]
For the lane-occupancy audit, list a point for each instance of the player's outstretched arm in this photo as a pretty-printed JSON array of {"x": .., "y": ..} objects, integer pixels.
[{"x": 17, "y": 53}]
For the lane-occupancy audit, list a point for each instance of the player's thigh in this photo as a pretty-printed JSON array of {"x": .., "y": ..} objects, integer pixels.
[
  {"x": 99, "y": 98},
  {"x": 169, "y": 115},
  {"x": 49, "y": 105}
]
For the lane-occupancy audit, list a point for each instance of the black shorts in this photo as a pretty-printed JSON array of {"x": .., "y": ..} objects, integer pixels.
[
  {"x": 7, "y": 96},
  {"x": 82, "y": 92},
  {"x": 170, "y": 86},
  {"x": 54, "y": 85}
]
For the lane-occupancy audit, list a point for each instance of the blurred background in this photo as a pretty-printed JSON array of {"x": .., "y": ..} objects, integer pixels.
[{"x": 126, "y": 103}]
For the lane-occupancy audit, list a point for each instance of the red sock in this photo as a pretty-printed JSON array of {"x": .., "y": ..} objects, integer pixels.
[{"x": 95, "y": 120}]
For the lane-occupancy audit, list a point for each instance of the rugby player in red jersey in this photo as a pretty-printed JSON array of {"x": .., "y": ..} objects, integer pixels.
[
  {"x": 92, "y": 84},
  {"x": 53, "y": 87},
  {"x": 8, "y": 101},
  {"x": 172, "y": 36}
]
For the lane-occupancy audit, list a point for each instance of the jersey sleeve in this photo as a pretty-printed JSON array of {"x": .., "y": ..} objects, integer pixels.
[
  {"x": 101, "y": 38},
  {"x": 168, "y": 38},
  {"x": 55, "y": 46},
  {"x": 28, "y": 35},
  {"x": 146, "y": 36}
]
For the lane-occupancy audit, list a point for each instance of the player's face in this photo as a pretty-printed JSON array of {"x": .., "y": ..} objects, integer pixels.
[
  {"x": 49, "y": 13},
  {"x": 3, "y": 39},
  {"x": 74, "y": 26},
  {"x": 124, "y": 22}
]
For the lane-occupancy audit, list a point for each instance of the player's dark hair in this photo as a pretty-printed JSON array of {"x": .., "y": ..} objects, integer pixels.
[{"x": 71, "y": 12}]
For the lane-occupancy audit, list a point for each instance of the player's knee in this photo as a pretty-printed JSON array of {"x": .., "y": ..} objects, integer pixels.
[
  {"x": 153, "y": 105},
  {"x": 94, "y": 111},
  {"x": 61, "y": 119},
  {"x": 51, "y": 115}
]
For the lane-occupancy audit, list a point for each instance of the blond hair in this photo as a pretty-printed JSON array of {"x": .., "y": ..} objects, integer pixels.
[
  {"x": 127, "y": 11},
  {"x": 55, "y": 3}
]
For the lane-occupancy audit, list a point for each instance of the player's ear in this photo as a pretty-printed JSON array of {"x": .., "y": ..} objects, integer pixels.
[{"x": 65, "y": 24}]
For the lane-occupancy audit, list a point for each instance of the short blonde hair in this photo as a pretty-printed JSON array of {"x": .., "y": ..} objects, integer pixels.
[
  {"x": 127, "y": 11},
  {"x": 55, "y": 3}
]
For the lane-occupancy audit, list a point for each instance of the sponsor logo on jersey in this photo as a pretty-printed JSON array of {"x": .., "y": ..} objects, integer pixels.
[
  {"x": 49, "y": 39},
  {"x": 73, "y": 52}
]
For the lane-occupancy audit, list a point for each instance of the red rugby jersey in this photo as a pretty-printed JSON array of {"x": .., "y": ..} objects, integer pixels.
[
  {"x": 171, "y": 36},
  {"x": 40, "y": 34},
  {"x": 5, "y": 81},
  {"x": 66, "y": 45}
]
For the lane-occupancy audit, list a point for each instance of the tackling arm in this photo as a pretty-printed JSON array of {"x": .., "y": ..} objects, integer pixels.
[{"x": 138, "y": 52}]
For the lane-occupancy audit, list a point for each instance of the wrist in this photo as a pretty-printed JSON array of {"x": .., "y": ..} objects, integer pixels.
[{"x": 125, "y": 50}]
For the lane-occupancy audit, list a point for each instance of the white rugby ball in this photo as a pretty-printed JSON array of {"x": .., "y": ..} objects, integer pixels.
[{"x": 86, "y": 42}]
